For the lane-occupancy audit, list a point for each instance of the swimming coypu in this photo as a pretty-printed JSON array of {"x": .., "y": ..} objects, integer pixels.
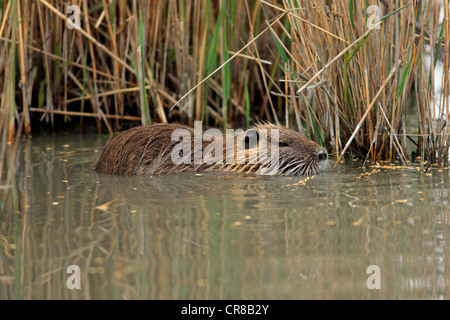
[{"x": 172, "y": 148}]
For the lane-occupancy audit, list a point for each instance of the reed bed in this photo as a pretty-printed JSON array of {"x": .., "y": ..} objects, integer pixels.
[
  {"x": 356, "y": 82},
  {"x": 314, "y": 65}
]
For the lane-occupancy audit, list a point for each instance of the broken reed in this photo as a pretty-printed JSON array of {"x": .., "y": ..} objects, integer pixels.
[
  {"x": 134, "y": 60},
  {"x": 361, "y": 100}
]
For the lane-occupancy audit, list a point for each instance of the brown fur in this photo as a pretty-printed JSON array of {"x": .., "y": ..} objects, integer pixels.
[{"x": 146, "y": 150}]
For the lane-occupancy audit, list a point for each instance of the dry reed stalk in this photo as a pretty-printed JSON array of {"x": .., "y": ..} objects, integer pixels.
[
  {"x": 223, "y": 64},
  {"x": 86, "y": 114},
  {"x": 106, "y": 40},
  {"x": 350, "y": 74},
  {"x": 87, "y": 34}
]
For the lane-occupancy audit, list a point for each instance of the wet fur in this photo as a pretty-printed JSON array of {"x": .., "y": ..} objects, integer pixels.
[{"x": 146, "y": 150}]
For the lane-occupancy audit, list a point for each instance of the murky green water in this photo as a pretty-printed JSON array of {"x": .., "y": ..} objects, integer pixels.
[{"x": 218, "y": 236}]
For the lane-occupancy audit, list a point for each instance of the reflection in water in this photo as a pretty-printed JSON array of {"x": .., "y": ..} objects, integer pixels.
[{"x": 218, "y": 236}]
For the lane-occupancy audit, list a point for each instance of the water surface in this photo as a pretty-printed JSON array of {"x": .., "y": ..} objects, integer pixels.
[{"x": 216, "y": 236}]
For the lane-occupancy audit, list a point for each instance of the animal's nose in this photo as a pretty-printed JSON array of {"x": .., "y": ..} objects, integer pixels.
[{"x": 322, "y": 156}]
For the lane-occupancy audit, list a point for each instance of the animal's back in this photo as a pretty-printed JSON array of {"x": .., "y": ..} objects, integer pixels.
[{"x": 144, "y": 150}]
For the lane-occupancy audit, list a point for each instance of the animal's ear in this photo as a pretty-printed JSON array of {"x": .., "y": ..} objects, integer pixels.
[{"x": 251, "y": 139}]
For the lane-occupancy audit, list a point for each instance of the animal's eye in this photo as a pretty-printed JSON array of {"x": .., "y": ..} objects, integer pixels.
[
  {"x": 251, "y": 139},
  {"x": 283, "y": 144},
  {"x": 322, "y": 156}
]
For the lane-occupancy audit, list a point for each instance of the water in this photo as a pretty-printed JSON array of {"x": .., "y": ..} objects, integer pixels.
[{"x": 215, "y": 236}]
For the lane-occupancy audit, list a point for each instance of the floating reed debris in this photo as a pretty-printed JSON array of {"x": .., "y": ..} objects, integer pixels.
[{"x": 356, "y": 76}]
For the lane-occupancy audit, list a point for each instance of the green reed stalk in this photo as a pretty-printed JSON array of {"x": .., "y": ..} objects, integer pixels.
[
  {"x": 226, "y": 70},
  {"x": 144, "y": 100},
  {"x": 211, "y": 57}
]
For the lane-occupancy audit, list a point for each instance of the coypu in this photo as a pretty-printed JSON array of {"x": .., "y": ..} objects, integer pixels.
[{"x": 172, "y": 148}]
